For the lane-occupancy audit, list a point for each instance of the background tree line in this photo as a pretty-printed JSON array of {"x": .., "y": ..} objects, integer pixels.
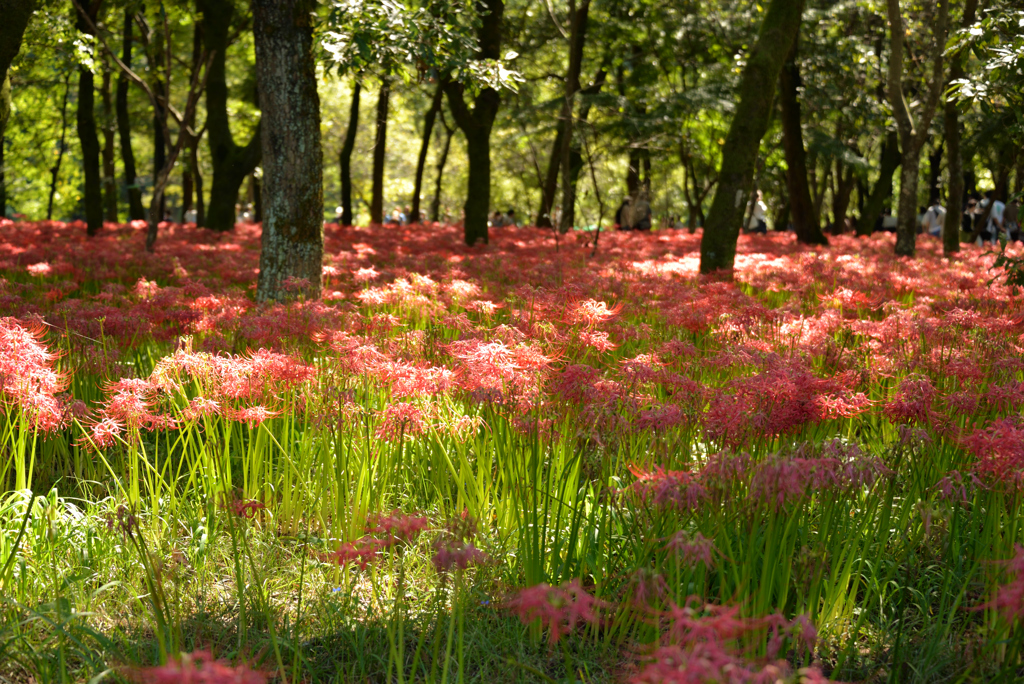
[{"x": 835, "y": 109}]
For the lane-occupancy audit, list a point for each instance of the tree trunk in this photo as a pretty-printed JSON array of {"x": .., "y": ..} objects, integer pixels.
[
  {"x": 293, "y": 238},
  {"x": 435, "y": 204},
  {"x": 85, "y": 120},
  {"x": 547, "y": 192},
  {"x": 5, "y": 109},
  {"x": 750, "y": 121},
  {"x": 954, "y": 156},
  {"x": 379, "y": 148},
  {"x": 231, "y": 162},
  {"x": 256, "y": 193},
  {"x": 887, "y": 165},
  {"x": 934, "y": 172},
  {"x": 345, "y": 158},
  {"x": 16, "y": 14},
  {"x": 912, "y": 134},
  {"x": 421, "y": 161},
  {"x": 61, "y": 147},
  {"x": 577, "y": 41},
  {"x": 476, "y": 124},
  {"x": 187, "y": 181},
  {"x": 804, "y": 213},
  {"x": 841, "y": 197},
  {"x": 136, "y": 211},
  {"x": 109, "y": 183},
  {"x": 197, "y": 179}
]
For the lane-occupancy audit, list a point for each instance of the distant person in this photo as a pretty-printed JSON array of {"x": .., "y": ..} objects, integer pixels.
[
  {"x": 395, "y": 218},
  {"x": 921, "y": 211},
  {"x": 934, "y": 219},
  {"x": 641, "y": 214},
  {"x": 759, "y": 217},
  {"x": 889, "y": 222},
  {"x": 1011, "y": 220},
  {"x": 509, "y": 219},
  {"x": 994, "y": 226},
  {"x": 968, "y": 216},
  {"x": 623, "y": 215}
]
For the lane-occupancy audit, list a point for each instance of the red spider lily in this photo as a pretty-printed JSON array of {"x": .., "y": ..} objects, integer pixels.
[
  {"x": 397, "y": 527},
  {"x": 558, "y": 609},
  {"x": 27, "y": 378},
  {"x": 246, "y": 509},
  {"x": 590, "y": 313},
  {"x": 457, "y": 554},
  {"x": 679, "y": 489},
  {"x": 401, "y": 420},
  {"x": 361, "y": 552},
  {"x": 999, "y": 450},
  {"x": 692, "y": 549},
  {"x": 198, "y": 667}
]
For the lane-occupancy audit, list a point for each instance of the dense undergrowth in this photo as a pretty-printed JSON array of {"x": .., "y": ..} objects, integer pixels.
[{"x": 522, "y": 462}]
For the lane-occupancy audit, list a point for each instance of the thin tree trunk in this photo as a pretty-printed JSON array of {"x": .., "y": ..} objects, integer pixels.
[
  {"x": 136, "y": 211},
  {"x": 293, "y": 237},
  {"x": 231, "y": 162},
  {"x": 435, "y": 204},
  {"x": 109, "y": 182},
  {"x": 547, "y": 191},
  {"x": 421, "y": 161},
  {"x": 187, "y": 183},
  {"x": 85, "y": 120},
  {"x": 256, "y": 193},
  {"x": 912, "y": 134},
  {"x": 379, "y": 149},
  {"x": 476, "y": 125},
  {"x": 345, "y": 158},
  {"x": 841, "y": 198},
  {"x": 750, "y": 121},
  {"x": 934, "y": 172},
  {"x": 197, "y": 179},
  {"x": 804, "y": 213},
  {"x": 577, "y": 41},
  {"x": 61, "y": 146},
  {"x": 888, "y": 163}
]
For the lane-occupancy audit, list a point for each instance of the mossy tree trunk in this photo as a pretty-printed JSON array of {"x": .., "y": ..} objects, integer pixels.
[
  {"x": 293, "y": 239},
  {"x": 85, "y": 120},
  {"x": 231, "y": 162},
  {"x": 913, "y": 134},
  {"x": 750, "y": 121},
  {"x": 803, "y": 212},
  {"x": 345, "y": 157},
  {"x": 476, "y": 124}
]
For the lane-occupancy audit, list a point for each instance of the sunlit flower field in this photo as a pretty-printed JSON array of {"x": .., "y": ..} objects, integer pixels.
[{"x": 531, "y": 461}]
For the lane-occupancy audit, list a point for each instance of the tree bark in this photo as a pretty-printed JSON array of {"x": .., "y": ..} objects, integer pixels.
[
  {"x": 804, "y": 213},
  {"x": 421, "y": 161},
  {"x": 16, "y": 14},
  {"x": 841, "y": 198},
  {"x": 887, "y": 165},
  {"x": 435, "y": 204},
  {"x": 345, "y": 158},
  {"x": 547, "y": 192},
  {"x": 85, "y": 120},
  {"x": 750, "y": 121},
  {"x": 476, "y": 124},
  {"x": 109, "y": 183},
  {"x": 197, "y": 180},
  {"x": 231, "y": 162},
  {"x": 61, "y": 147},
  {"x": 293, "y": 238},
  {"x": 192, "y": 167},
  {"x": 913, "y": 135},
  {"x": 379, "y": 149},
  {"x": 136, "y": 211},
  {"x": 577, "y": 41}
]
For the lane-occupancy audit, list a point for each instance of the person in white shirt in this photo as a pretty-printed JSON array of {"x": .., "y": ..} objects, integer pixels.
[
  {"x": 934, "y": 219},
  {"x": 994, "y": 227},
  {"x": 759, "y": 217}
]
